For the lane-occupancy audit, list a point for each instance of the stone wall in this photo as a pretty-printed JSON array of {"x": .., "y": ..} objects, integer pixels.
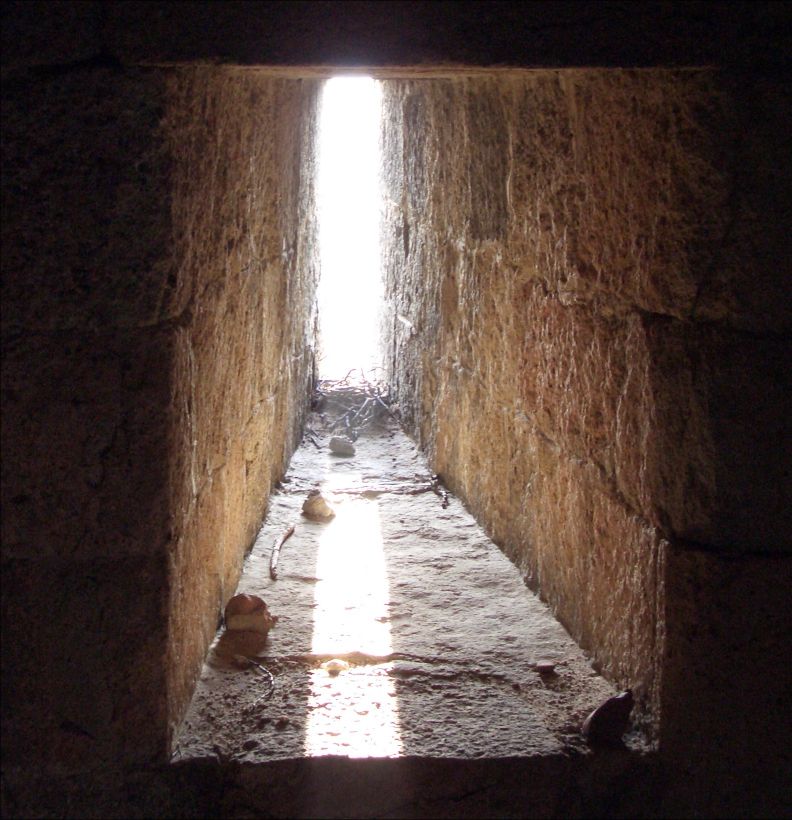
[
  {"x": 158, "y": 282},
  {"x": 587, "y": 328},
  {"x": 244, "y": 233}
]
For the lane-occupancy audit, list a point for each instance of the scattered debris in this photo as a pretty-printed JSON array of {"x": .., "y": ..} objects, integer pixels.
[
  {"x": 276, "y": 548},
  {"x": 435, "y": 486},
  {"x": 236, "y": 642},
  {"x": 609, "y": 721},
  {"x": 358, "y": 397},
  {"x": 466, "y": 661},
  {"x": 342, "y": 446},
  {"x": 248, "y": 613},
  {"x": 316, "y": 508}
]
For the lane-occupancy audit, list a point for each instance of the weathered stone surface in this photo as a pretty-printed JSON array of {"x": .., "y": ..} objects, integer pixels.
[
  {"x": 583, "y": 209},
  {"x": 403, "y": 631},
  {"x": 157, "y": 332},
  {"x": 726, "y": 683},
  {"x": 599, "y": 566},
  {"x": 568, "y": 256},
  {"x": 242, "y": 146},
  {"x": 86, "y": 109}
]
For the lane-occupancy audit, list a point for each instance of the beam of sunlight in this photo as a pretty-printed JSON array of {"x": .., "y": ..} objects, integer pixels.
[
  {"x": 353, "y": 713},
  {"x": 349, "y": 197}
]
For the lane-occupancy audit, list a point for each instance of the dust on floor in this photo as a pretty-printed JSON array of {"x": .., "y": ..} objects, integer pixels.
[{"x": 446, "y": 648}]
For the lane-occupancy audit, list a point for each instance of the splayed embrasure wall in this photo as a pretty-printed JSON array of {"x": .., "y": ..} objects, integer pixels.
[
  {"x": 157, "y": 329},
  {"x": 585, "y": 279},
  {"x": 244, "y": 225}
]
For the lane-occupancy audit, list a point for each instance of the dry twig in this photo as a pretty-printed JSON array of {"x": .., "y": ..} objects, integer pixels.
[
  {"x": 276, "y": 548},
  {"x": 358, "y": 397},
  {"x": 244, "y": 660}
]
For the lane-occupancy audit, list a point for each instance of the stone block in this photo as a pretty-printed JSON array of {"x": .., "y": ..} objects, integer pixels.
[
  {"x": 596, "y": 366},
  {"x": 625, "y": 193},
  {"x": 150, "y": 406},
  {"x": 727, "y": 681},
  {"x": 600, "y": 566},
  {"x": 84, "y": 445},
  {"x": 688, "y": 423},
  {"x": 87, "y": 230},
  {"x": 83, "y": 672}
]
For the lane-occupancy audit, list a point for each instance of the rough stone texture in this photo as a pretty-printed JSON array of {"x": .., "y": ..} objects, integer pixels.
[
  {"x": 243, "y": 147},
  {"x": 86, "y": 388},
  {"x": 158, "y": 283},
  {"x": 85, "y": 108},
  {"x": 727, "y": 684},
  {"x": 587, "y": 322},
  {"x": 441, "y": 636}
]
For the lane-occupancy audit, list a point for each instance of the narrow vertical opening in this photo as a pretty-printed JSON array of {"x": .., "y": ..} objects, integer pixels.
[{"x": 349, "y": 207}]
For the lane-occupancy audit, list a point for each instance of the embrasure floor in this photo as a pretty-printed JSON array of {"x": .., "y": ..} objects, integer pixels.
[{"x": 441, "y": 636}]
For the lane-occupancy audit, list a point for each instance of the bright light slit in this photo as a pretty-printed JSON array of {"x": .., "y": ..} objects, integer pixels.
[
  {"x": 354, "y": 713},
  {"x": 349, "y": 196}
]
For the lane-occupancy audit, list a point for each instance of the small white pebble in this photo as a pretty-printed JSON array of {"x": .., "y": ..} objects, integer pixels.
[{"x": 335, "y": 666}]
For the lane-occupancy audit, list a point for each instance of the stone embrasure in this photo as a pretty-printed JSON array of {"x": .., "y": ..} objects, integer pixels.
[
  {"x": 441, "y": 637},
  {"x": 588, "y": 332}
]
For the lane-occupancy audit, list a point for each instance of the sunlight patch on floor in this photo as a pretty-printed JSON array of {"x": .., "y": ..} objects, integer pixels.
[{"x": 353, "y": 713}]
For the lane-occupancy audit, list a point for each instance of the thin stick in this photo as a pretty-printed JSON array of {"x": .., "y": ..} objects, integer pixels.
[
  {"x": 276, "y": 548},
  {"x": 243, "y": 660}
]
